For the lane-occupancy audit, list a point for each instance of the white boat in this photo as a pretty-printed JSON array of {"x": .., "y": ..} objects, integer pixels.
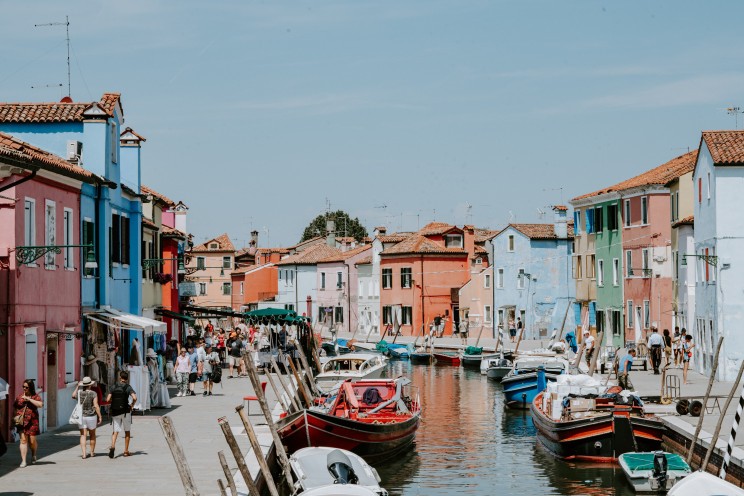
[
  {"x": 350, "y": 366},
  {"x": 323, "y": 471},
  {"x": 653, "y": 472},
  {"x": 497, "y": 368},
  {"x": 703, "y": 483}
]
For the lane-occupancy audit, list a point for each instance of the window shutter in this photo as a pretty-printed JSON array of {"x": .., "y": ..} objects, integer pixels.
[{"x": 592, "y": 313}]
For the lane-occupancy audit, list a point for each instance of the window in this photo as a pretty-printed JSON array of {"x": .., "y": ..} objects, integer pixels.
[
  {"x": 520, "y": 279},
  {"x": 453, "y": 240},
  {"x": 577, "y": 222},
  {"x": 708, "y": 186},
  {"x": 644, "y": 263},
  {"x": 626, "y": 214},
  {"x": 671, "y": 209},
  {"x": 478, "y": 261},
  {"x": 68, "y": 239},
  {"x": 125, "y": 241},
  {"x": 500, "y": 278},
  {"x": 577, "y": 267},
  {"x": 406, "y": 277},
  {"x": 115, "y": 238},
  {"x": 644, "y": 210},
  {"x": 630, "y": 313},
  {"x": 615, "y": 272},
  {"x": 700, "y": 190},
  {"x": 226, "y": 288},
  {"x": 322, "y": 280},
  {"x": 241, "y": 288},
  {"x": 591, "y": 264},
  {"x": 291, "y": 277},
  {"x": 114, "y": 143},
  {"x": 628, "y": 263},
  {"x": 32, "y": 354},
  {"x": 598, "y": 220},
  {"x": 29, "y": 223},
  {"x": 69, "y": 358},
  {"x": 387, "y": 315},
  {"x": 487, "y": 317},
  {"x": 202, "y": 288},
  {"x": 226, "y": 263},
  {"x": 487, "y": 281},
  {"x": 510, "y": 246},
  {"x": 646, "y": 314},
  {"x": 50, "y": 232},
  {"x": 289, "y": 306},
  {"x": 600, "y": 273},
  {"x": 676, "y": 211},
  {"x": 338, "y": 315},
  {"x": 89, "y": 238},
  {"x": 339, "y": 280},
  {"x": 612, "y": 219},
  {"x": 200, "y": 263},
  {"x": 387, "y": 278},
  {"x": 407, "y": 315}
]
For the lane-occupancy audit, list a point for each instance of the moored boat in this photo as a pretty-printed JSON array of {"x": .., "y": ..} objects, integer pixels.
[
  {"x": 474, "y": 360},
  {"x": 653, "y": 472},
  {"x": 350, "y": 366},
  {"x": 498, "y": 368},
  {"x": 521, "y": 383},
  {"x": 446, "y": 358},
  {"x": 336, "y": 347},
  {"x": 330, "y": 471},
  {"x": 700, "y": 483},
  {"x": 373, "y": 418},
  {"x": 421, "y": 357}
]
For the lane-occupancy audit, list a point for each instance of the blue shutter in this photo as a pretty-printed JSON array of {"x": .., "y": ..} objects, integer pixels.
[
  {"x": 577, "y": 314},
  {"x": 589, "y": 220},
  {"x": 592, "y": 314},
  {"x": 577, "y": 222}
]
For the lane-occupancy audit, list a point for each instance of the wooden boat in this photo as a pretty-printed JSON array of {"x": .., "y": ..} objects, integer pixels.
[
  {"x": 446, "y": 358},
  {"x": 594, "y": 429},
  {"x": 324, "y": 471},
  {"x": 498, "y": 368},
  {"x": 474, "y": 360},
  {"x": 372, "y": 418},
  {"x": 653, "y": 472},
  {"x": 521, "y": 384},
  {"x": 350, "y": 366},
  {"x": 703, "y": 483},
  {"x": 397, "y": 351},
  {"x": 421, "y": 357}
]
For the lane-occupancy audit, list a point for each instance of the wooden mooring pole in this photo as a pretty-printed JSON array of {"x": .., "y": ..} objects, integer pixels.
[
  {"x": 717, "y": 432},
  {"x": 712, "y": 379},
  {"x": 238, "y": 455},
  {"x": 171, "y": 437},
  {"x": 228, "y": 473},
  {"x": 257, "y": 451},
  {"x": 290, "y": 394}
]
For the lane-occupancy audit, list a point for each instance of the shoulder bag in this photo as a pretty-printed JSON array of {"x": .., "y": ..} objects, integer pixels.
[
  {"x": 76, "y": 417},
  {"x": 19, "y": 420}
]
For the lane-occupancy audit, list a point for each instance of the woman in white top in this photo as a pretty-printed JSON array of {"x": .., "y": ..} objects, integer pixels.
[{"x": 91, "y": 414}]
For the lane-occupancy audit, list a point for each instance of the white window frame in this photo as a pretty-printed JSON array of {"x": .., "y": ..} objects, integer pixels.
[
  {"x": 500, "y": 278},
  {"x": 628, "y": 263},
  {"x": 406, "y": 278},
  {"x": 339, "y": 280},
  {"x": 202, "y": 289},
  {"x": 615, "y": 271},
  {"x": 241, "y": 288},
  {"x": 626, "y": 213},
  {"x": 487, "y": 316},
  {"x": 630, "y": 313},
  {"x": 227, "y": 262},
  {"x": 479, "y": 261},
  {"x": 645, "y": 262},
  {"x": 708, "y": 186},
  {"x": 487, "y": 281},
  {"x": 453, "y": 241},
  {"x": 31, "y": 337},
  {"x": 600, "y": 272},
  {"x": 68, "y": 221},
  {"x": 646, "y": 314},
  {"x": 644, "y": 210},
  {"x": 226, "y": 289},
  {"x": 50, "y": 233},
  {"x": 322, "y": 280},
  {"x": 520, "y": 279}
]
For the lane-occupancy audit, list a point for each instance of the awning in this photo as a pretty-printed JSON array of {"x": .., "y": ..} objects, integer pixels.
[
  {"x": 174, "y": 315},
  {"x": 149, "y": 326},
  {"x": 213, "y": 311},
  {"x": 272, "y": 312}
]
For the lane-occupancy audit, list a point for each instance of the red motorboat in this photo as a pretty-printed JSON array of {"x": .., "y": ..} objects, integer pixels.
[
  {"x": 445, "y": 358},
  {"x": 373, "y": 418}
]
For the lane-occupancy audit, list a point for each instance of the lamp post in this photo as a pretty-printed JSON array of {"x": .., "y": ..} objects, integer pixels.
[{"x": 29, "y": 254}]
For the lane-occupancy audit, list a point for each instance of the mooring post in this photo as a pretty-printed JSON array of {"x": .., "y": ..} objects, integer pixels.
[
  {"x": 290, "y": 394},
  {"x": 228, "y": 473},
  {"x": 257, "y": 450},
  {"x": 712, "y": 379},
  {"x": 717, "y": 432},
  {"x": 242, "y": 467},
  {"x": 171, "y": 437}
]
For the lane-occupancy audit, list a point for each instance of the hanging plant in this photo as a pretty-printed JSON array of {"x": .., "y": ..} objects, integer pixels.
[{"x": 162, "y": 278}]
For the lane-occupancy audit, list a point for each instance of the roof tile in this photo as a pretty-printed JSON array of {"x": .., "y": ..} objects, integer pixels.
[
  {"x": 310, "y": 256},
  {"x": 224, "y": 244},
  {"x": 12, "y": 147},
  {"x": 419, "y": 244},
  {"x": 55, "y": 111},
  {"x": 726, "y": 147}
]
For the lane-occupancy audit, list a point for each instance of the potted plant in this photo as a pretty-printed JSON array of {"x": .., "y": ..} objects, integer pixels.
[{"x": 162, "y": 278}]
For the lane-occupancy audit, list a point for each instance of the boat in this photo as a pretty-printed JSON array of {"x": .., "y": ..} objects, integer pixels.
[
  {"x": 700, "y": 483},
  {"x": 446, "y": 358},
  {"x": 654, "y": 471},
  {"x": 336, "y": 347},
  {"x": 393, "y": 350},
  {"x": 470, "y": 360},
  {"x": 350, "y": 366},
  {"x": 579, "y": 419},
  {"x": 521, "y": 385},
  {"x": 420, "y": 356},
  {"x": 374, "y": 418},
  {"x": 324, "y": 471},
  {"x": 497, "y": 368}
]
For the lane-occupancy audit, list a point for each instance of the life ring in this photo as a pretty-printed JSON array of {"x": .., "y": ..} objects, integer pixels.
[{"x": 666, "y": 400}]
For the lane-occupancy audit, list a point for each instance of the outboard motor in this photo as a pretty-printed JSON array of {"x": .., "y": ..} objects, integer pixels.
[
  {"x": 340, "y": 468},
  {"x": 660, "y": 470}
]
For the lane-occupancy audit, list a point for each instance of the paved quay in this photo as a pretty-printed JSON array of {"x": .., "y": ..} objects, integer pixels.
[{"x": 151, "y": 468}]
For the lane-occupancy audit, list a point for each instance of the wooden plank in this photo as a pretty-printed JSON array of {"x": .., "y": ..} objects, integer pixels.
[
  {"x": 171, "y": 437},
  {"x": 228, "y": 473},
  {"x": 242, "y": 467},
  {"x": 257, "y": 451}
]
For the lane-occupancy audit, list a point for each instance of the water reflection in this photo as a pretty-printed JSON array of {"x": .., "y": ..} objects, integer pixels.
[{"x": 469, "y": 444}]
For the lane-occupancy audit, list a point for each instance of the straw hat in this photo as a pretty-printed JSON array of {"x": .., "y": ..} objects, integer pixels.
[
  {"x": 151, "y": 353},
  {"x": 90, "y": 359},
  {"x": 87, "y": 381}
]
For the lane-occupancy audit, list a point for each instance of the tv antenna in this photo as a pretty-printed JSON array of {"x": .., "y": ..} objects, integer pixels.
[
  {"x": 469, "y": 214},
  {"x": 735, "y": 111},
  {"x": 57, "y": 85},
  {"x": 66, "y": 24},
  {"x": 541, "y": 213}
]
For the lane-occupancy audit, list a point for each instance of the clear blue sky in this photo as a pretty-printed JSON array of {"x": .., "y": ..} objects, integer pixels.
[{"x": 257, "y": 113}]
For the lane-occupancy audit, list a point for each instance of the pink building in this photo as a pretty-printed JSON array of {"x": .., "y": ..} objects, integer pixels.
[
  {"x": 338, "y": 287},
  {"x": 40, "y": 331}
]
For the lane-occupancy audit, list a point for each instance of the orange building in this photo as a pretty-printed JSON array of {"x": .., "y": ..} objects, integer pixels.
[
  {"x": 252, "y": 285},
  {"x": 421, "y": 274}
]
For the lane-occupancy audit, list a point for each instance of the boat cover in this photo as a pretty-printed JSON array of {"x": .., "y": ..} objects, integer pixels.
[{"x": 645, "y": 461}]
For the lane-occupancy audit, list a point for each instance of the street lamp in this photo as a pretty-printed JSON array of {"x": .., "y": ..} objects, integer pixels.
[
  {"x": 709, "y": 259},
  {"x": 28, "y": 254}
]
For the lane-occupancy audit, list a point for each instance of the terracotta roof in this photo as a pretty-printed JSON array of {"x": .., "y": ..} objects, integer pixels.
[
  {"x": 480, "y": 250},
  {"x": 393, "y": 238},
  {"x": 561, "y": 208},
  {"x": 540, "y": 231},
  {"x": 172, "y": 232},
  {"x": 433, "y": 228},
  {"x": 726, "y": 147},
  {"x": 687, "y": 221},
  {"x": 130, "y": 131},
  {"x": 483, "y": 235},
  {"x": 16, "y": 149},
  {"x": 224, "y": 244},
  {"x": 346, "y": 239},
  {"x": 311, "y": 256},
  {"x": 164, "y": 199},
  {"x": 251, "y": 268},
  {"x": 149, "y": 224},
  {"x": 365, "y": 261},
  {"x": 417, "y": 243},
  {"x": 55, "y": 111},
  {"x": 660, "y": 175},
  {"x": 345, "y": 255},
  {"x": 306, "y": 242}
]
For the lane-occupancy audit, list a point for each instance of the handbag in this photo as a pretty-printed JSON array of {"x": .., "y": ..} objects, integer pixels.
[
  {"x": 76, "y": 417},
  {"x": 19, "y": 420}
]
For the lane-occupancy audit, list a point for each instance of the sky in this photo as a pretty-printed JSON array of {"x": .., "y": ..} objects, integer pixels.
[{"x": 263, "y": 115}]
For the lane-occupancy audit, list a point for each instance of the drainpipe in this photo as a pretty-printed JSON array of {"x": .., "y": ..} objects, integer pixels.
[
  {"x": 19, "y": 181},
  {"x": 423, "y": 319},
  {"x": 348, "y": 293}
]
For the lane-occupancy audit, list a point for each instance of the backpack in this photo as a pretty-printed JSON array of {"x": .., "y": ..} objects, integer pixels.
[
  {"x": 119, "y": 400},
  {"x": 217, "y": 374},
  {"x": 372, "y": 396}
]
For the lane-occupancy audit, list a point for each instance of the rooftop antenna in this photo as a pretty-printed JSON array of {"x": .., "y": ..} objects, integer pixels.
[
  {"x": 541, "y": 213},
  {"x": 469, "y": 214},
  {"x": 66, "y": 24},
  {"x": 512, "y": 217},
  {"x": 735, "y": 111}
]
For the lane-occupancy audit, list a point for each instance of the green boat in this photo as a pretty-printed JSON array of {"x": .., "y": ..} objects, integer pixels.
[{"x": 653, "y": 472}]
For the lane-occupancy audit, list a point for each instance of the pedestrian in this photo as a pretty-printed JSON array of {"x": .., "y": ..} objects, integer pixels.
[
  {"x": 667, "y": 347},
  {"x": 520, "y": 328},
  {"x": 91, "y": 417},
  {"x": 233, "y": 360},
  {"x": 194, "y": 372},
  {"x": 571, "y": 341},
  {"x": 27, "y": 405},
  {"x": 512, "y": 330},
  {"x": 221, "y": 338},
  {"x": 183, "y": 368},
  {"x": 121, "y": 411},
  {"x": 171, "y": 354},
  {"x": 438, "y": 325},
  {"x": 464, "y": 329},
  {"x": 211, "y": 360},
  {"x": 687, "y": 347},
  {"x": 682, "y": 334},
  {"x": 676, "y": 346},
  {"x": 588, "y": 347},
  {"x": 626, "y": 363},
  {"x": 655, "y": 345}
]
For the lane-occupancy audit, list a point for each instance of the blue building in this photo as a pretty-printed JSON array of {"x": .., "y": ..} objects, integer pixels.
[
  {"x": 532, "y": 275},
  {"x": 88, "y": 135}
]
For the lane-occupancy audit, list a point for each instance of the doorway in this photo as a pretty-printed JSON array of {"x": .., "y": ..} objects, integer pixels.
[{"x": 51, "y": 383}]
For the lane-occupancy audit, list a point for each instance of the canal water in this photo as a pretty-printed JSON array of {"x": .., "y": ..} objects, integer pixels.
[{"x": 469, "y": 444}]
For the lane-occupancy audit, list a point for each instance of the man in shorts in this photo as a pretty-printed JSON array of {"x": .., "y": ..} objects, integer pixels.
[
  {"x": 626, "y": 363},
  {"x": 235, "y": 346},
  {"x": 121, "y": 411}
]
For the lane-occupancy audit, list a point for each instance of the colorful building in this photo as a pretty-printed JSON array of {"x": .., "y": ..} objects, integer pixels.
[
  {"x": 338, "y": 287},
  {"x": 475, "y": 297},
  {"x": 209, "y": 266}
]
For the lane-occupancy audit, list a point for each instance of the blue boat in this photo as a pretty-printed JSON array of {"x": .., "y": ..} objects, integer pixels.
[
  {"x": 392, "y": 350},
  {"x": 332, "y": 349},
  {"x": 521, "y": 384}
]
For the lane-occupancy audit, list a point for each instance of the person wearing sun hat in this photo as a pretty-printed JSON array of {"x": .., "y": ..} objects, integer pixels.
[{"x": 91, "y": 417}]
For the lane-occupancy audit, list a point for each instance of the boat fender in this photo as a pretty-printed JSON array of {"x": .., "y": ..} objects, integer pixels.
[
  {"x": 683, "y": 407},
  {"x": 340, "y": 467},
  {"x": 597, "y": 445},
  {"x": 666, "y": 400}
]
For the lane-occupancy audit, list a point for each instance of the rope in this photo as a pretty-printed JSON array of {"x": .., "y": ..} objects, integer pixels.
[{"x": 734, "y": 428}]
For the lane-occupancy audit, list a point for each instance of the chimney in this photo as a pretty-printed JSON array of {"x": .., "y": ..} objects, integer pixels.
[
  {"x": 559, "y": 221},
  {"x": 380, "y": 231},
  {"x": 330, "y": 233},
  {"x": 254, "y": 238}
]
